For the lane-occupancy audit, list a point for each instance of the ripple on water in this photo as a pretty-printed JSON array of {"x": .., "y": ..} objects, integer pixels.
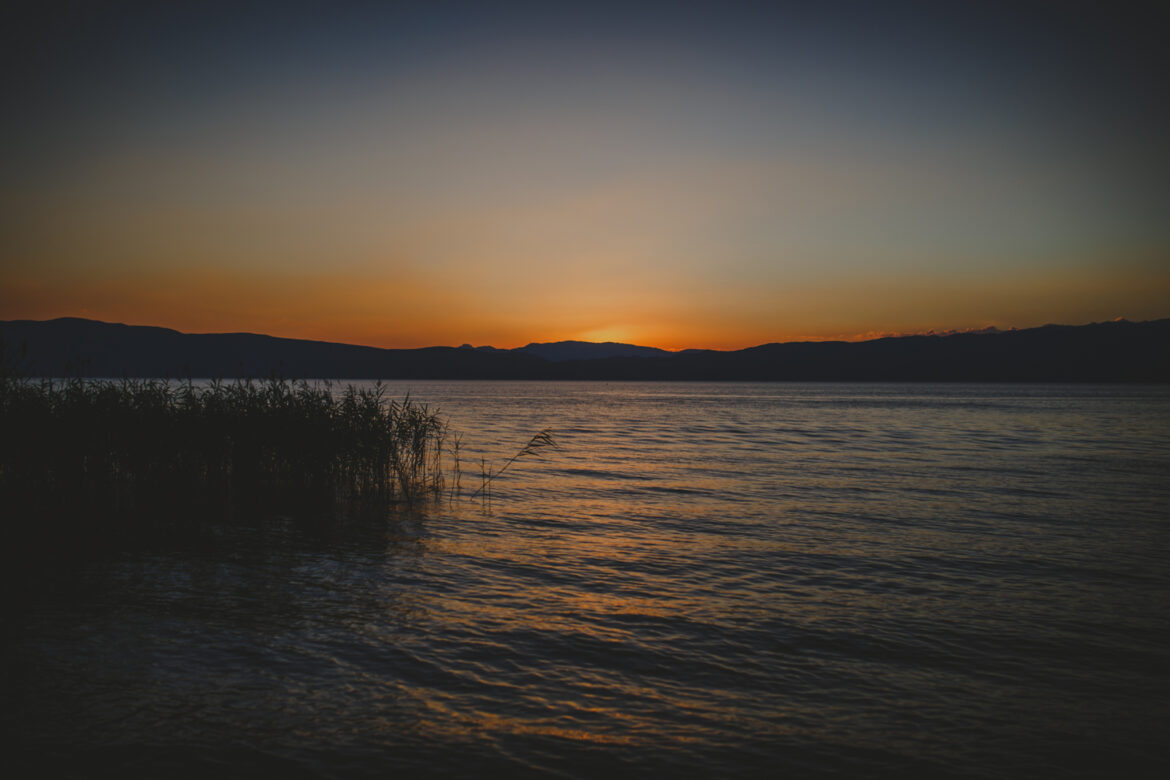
[{"x": 705, "y": 580}]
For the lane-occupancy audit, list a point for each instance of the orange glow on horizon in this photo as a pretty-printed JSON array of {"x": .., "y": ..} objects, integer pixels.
[
  {"x": 411, "y": 310},
  {"x": 698, "y": 180}
]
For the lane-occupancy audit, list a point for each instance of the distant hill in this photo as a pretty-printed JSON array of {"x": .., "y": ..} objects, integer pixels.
[
  {"x": 69, "y": 347},
  {"x": 1101, "y": 352},
  {"x": 588, "y": 350}
]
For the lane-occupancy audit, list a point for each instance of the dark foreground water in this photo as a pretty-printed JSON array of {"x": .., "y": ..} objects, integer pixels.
[{"x": 709, "y": 580}]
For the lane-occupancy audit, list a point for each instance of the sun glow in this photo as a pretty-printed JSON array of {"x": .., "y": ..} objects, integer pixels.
[
  {"x": 545, "y": 182},
  {"x": 618, "y": 333}
]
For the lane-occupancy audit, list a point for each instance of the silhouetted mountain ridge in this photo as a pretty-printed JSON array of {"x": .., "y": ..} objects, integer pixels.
[
  {"x": 1118, "y": 351},
  {"x": 588, "y": 350}
]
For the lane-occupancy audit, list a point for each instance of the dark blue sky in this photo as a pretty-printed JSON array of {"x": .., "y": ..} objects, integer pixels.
[{"x": 745, "y": 172}]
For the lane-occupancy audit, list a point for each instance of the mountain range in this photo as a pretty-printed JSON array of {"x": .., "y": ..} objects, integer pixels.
[{"x": 1118, "y": 351}]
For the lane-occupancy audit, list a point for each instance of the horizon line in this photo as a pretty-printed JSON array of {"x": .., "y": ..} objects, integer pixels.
[{"x": 856, "y": 338}]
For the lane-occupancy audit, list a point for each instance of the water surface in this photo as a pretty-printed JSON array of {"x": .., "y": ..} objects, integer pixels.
[{"x": 704, "y": 580}]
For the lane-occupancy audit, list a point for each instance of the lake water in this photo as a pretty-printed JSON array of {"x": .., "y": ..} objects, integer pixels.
[{"x": 710, "y": 580}]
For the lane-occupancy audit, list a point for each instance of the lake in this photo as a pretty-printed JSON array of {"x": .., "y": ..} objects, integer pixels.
[{"x": 703, "y": 580}]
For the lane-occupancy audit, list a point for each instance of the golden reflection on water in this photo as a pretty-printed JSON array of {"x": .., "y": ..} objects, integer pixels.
[
  {"x": 873, "y": 583},
  {"x": 470, "y": 724}
]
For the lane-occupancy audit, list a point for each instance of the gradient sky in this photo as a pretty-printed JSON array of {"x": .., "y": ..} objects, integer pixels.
[{"x": 681, "y": 175}]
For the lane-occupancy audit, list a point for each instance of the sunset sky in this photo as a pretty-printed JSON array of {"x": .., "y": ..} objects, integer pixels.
[{"x": 681, "y": 175}]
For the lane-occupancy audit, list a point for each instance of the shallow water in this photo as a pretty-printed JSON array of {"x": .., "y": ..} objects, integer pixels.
[{"x": 704, "y": 580}]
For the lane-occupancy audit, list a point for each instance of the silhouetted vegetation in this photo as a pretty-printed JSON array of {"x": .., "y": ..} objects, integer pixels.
[
  {"x": 488, "y": 473},
  {"x": 85, "y": 452}
]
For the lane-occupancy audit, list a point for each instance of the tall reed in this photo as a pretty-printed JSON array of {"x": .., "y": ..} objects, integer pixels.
[
  {"x": 91, "y": 446},
  {"x": 489, "y": 473}
]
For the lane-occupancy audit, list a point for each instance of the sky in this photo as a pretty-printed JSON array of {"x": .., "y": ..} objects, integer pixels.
[{"x": 678, "y": 175}]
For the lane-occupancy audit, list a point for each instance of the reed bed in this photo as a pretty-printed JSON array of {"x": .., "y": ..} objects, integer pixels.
[{"x": 123, "y": 448}]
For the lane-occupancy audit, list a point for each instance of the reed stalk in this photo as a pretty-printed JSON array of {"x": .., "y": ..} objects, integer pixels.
[
  {"x": 89, "y": 445},
  {"x": 488, "y": 474}
]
